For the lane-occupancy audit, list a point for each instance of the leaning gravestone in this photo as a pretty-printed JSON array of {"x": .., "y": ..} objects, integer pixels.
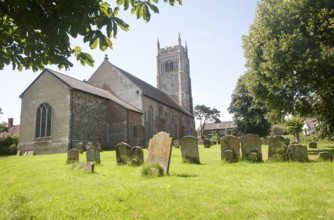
[
  {"x": 230, "y": 143},
  {"x": 312, "y": 145},
  {"x": 189, "y": 149},
  {"x": 297, "y": 152},
  {"x": 93, "y": 155},
  {"x": 326, "y": 156},
  {"x": 123, "y": 153},
  {"x": 159, "y": 151},
  {"x": 251, "y": 144},
  {"x": 18, "y": 153},
  {"x": 278, "y": 147},
  {"x": 89, "y": 167},
  {"x": 73, "y": 155}
]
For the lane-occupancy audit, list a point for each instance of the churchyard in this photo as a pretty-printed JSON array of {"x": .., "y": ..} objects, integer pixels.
[{"x": 50, "y": 187}]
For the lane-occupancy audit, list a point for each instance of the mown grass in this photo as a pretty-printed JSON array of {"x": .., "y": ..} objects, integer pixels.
[{"x": 45, "y": 187}]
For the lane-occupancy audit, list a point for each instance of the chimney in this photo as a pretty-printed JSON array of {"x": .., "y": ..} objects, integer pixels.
[{"x": 10, "y": 122}]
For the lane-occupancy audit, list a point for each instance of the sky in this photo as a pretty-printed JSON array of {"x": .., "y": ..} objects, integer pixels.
[{"x": 212, "y": 30}]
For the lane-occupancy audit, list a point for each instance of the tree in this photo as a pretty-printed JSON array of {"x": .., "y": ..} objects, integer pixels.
[
  {"x": 206, "y": 115},
  {"x": 289, "y": 54},
  {"x": 295, "y": 126},
  {"x": 36, "y": 33},
  {"x": 248, "y": 113},
  {"x": 3, "y": 125}
]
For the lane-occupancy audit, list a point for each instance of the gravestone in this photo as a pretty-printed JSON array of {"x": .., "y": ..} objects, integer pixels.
[
  {"x": 73, "y": 155},
  {"x": 159, "y": 151},
  {"x": 297, "y": 152},
  {"x": 98, "y": 147},
  {"x": 231, "y": 143},
  {"x": 30, "y": 153},
  {"x": 312, "y": 145},
  {"x": 189, "y": 149},
  {"x": 229, "y": 156},
  {"x": 207, "y": 143},
  {"x": 125, "y": 154},
  {"x": 18, "y": 153},
  {"x": 79, "y": 146},
  {"x": 251, "y": 143},
  {"x": 177, "y": 143},
  {"x": 325, "y": 156},
  {"x": 137, "y": 156},
  {"x": 122, "y": 153},
  {"x": 89, "y": 167},
  {"x": 93, "y": 155},
  {"x": 277, "y": 147}
]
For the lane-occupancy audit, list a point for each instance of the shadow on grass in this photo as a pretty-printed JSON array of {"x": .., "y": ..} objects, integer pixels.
[{"x": 184, "y": 175}]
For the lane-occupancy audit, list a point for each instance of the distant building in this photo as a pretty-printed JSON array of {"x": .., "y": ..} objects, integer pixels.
[
  {"x": 113, "y": 106},
  {"x": 13, "y": 130},
  {"x": 222, "y": 128},
  {"x": 309, "y": 126}
]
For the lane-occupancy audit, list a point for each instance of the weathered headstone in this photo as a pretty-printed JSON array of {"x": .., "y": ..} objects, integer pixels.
[
  {"x": 189, "y": 149},
  {"x": 207, "y": 143},
  {"x": 31, "y": 153},
  {"x": 251, "y": 143},
  {"x": 312, "y": 145},
  {"x": 325, "y": 156},
  {"x": 25, "y": 153},
  {"x": 93, "y": 155},
  {"x": 177, "y": 143},
  {"x": 98, "y": 147},
  {"x": 159, "y": 151},
  {"x": 278, "y": 147},
  {"x": 73, "y": 155},
  {"x": 230, "y": 143},
  {"x": 123, "y": 153},
  {"x": 137, "y": 156},
  {"x": 18, "y": 153},
  {"x": 297, "y": 152},
  {"x": 229, "y": 156},
  {"x": 89, "y": 167},
  {"x": 79, "y": 146}
]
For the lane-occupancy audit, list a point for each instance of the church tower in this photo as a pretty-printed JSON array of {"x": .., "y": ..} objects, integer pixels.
[{"x": 174, "y": 74}]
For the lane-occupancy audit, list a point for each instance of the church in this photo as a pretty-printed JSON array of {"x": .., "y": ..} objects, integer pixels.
[{"x": 59, "y": 112}]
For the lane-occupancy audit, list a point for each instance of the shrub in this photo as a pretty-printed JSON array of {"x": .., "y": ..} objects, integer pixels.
[
  {"x": 8, "y": 145},
  {"x": 152, "y": 170}
]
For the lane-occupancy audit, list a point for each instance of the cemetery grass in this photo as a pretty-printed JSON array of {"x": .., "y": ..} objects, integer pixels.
[{"x": 45, "y": 187}]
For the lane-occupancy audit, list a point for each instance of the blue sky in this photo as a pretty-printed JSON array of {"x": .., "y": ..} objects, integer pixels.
[{"x": 211, "y": 28}]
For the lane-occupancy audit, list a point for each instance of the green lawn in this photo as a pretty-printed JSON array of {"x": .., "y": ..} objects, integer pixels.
[{"x": 44, "y": 187}]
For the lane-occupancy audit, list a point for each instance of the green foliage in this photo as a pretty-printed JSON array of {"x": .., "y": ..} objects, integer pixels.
[
  {"x": 206, "y": 115},
  {"x": 294, "y": 126},
  {"x": 37, "y": 33},
  {"x": 152, "y": 170},
  {"x": 8, "y": 145},
  {"x": 289, "y": 52},
  {"x": 248, "y": 112},
  {"x": 278, "y": 129}
]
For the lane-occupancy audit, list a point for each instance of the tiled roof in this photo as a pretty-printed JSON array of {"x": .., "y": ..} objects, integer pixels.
[
  {"x": 85, "y": 87},
  {"x": 154, "y": 93},
  {"x": 220, "y": 126},
  {"x": 12, "y": 131}
]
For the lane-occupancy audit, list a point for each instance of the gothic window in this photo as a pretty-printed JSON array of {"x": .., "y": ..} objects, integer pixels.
[
  {"x": 150, "y": 121},
  {"x": 170, "y": 66},
  {"x": 43, "y": 121}
]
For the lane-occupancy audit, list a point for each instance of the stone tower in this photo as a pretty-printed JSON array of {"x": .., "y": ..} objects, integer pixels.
[{"x": 174, "y": 74}]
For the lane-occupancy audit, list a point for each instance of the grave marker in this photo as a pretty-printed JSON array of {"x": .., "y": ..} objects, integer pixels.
[{"x": 189, "y": 149}]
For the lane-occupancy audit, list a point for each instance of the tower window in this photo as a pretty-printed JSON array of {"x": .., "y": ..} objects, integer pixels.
[
  {"x": 169, "y": 66},
  {"x": 43, "y": 121}
]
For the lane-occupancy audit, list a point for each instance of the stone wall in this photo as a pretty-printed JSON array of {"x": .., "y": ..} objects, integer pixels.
[
  {"x": 59, "y": 99},
  {"x": 89, "y": 119}
]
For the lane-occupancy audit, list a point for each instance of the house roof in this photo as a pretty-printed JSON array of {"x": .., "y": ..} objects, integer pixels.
[
  {"x": 85, "y": 87},
  {"x": 12, "y": 131},
  {"x": 220, "y": 126},
  {"x": 152, "y": 92}
]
